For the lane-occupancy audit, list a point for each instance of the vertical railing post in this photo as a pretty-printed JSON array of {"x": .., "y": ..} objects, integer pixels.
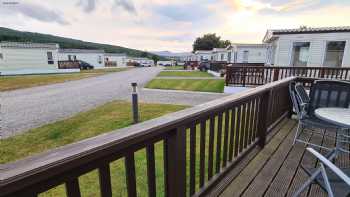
[
  {"x": 244, "y": 74},
  {"x": 264, "y": 113},
  {"x": 175, "y": 163},
  {"x": 321, "y": 74},
  {"x": 276, "y": 74},
  {"x": 228, "y": 75}
]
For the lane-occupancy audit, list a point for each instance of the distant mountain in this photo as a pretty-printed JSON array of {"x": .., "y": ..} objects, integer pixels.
[
  {"x": 170, "y": 54},
  {"x": 21, "y": 36}
]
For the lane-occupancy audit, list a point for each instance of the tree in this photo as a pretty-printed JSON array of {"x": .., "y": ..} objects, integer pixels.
[
  {"x": 209, "y": 41},
  {"x": 155, "y": 58},
  {"x": 144, "y": 54}
]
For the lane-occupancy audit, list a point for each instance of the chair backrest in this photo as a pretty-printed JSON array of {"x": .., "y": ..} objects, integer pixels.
[
  {"x": 302, "y": 94},
  {"x": 329, "y": 93},
  {"x": 295, "y": 99}
]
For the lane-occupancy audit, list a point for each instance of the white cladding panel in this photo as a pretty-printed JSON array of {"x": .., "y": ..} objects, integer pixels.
[
  {"x": 95, "y": 59},
  {"x": 220, "y": 56},
  {"x": 120, "y": 60},
  {"x": 27, "y": 58},
  {"x": 317, "y": 50},
  {"x": 255, "y": 54}
]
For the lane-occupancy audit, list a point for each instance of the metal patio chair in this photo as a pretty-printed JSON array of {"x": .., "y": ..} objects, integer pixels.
[
  {"x": 335, "y": 181},
  {"x": 307, "y": 121}
]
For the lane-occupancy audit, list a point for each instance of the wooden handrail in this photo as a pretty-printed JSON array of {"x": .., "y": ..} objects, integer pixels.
[{"x": 64, "y": 165}]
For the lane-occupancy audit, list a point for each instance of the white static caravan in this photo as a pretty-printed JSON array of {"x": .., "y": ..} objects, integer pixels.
[
  {"x": 328, "y": 46},
  {"x": 142, "y": 61},
  {"x": 204, "y": 55},
  {"x": 28, "y": 58},
  {"x": 93, "y": 57},
  {"x": 220, "y": 54},
  {"x": 117, "y": 59},
  {"x": 247, "y": 53}
]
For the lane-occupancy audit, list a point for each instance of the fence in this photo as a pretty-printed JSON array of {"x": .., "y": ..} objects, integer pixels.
[
  {"x": 68, "y": 64},
  {"x": 216, "y": 136},
  {"x": 257, "y": 75}
]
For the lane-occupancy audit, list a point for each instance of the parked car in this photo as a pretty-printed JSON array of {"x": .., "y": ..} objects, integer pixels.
[
  {"x": 204, "y": 66},
  {"x": 146, "y": 65},
  {"x": 84, "y": 65}
]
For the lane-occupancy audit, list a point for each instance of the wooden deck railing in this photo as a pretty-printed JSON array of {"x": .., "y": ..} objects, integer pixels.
[
  {"x": 217, "y": 135},
  {"x": 110, "y": 63},
  {"x": 68, "y": 64},
  {"x": 256, "y": 75}
]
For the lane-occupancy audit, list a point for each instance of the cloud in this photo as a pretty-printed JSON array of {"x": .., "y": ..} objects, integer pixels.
[
  {"x": 270, "y": 6},
  {"x": 87, "y": 5},
  {"x": 127, "y": 5},
  {"x": 184, "y": 12},
  {"x": 34, "y": 11}
]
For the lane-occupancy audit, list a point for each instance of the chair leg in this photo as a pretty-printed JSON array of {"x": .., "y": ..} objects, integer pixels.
[
  {"x": 308, "y": 182},
  {"x": 299, "y": 130},
  {"x": 326, "y": 181}
]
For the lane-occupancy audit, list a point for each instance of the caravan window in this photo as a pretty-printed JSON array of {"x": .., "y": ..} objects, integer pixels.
[
  {"x": 245, "y": 56},
  {"x": 334, "y": 54},
  {"x": 69, "y": 58},
  {"x": 300, "y": 53},
  {"x": 99, "y": 59},
  {"x": 1, "y": 56},
  {"x": 222, "y": 57},
  {"x": 50, "y": 58}
]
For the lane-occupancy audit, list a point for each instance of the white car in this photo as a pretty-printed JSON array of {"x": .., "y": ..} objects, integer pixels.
[{"x": 146, "y": 65}]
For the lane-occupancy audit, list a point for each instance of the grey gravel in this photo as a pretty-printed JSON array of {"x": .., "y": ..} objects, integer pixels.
[{"x": 29, "y": 108}]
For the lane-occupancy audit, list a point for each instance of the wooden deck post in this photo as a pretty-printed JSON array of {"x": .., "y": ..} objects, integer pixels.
[
  {"x": 276, "y": 74},
  {"x": 264, "y": 113},
  {"x": 175, "y": 163}
]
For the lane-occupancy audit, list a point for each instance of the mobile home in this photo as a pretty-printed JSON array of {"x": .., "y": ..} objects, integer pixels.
[
  {"x": 93, "y": 57},
  {"x": 247, "y": 53},
  {"x": 142, "y": 61},
  {"x": 204, "y": 55},
  {"x": 220, "y": 54},
  {"x": 327, "y": 46},
  {"x": 28, "y": 58},
  {"x": 115, "y": 59}
]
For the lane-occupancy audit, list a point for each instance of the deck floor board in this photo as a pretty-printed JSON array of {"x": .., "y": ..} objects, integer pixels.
[{"x": 277, "y": 169}]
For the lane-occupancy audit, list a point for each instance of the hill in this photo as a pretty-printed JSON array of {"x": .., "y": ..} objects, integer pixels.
[{"x": 7, "y": 34}]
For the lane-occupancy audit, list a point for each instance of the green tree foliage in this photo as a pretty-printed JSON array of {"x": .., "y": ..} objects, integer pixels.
[
  {"x": 155, "y": 58},
  {"x": 209, "y": 41},
  {"x": 19, "y": 36}
]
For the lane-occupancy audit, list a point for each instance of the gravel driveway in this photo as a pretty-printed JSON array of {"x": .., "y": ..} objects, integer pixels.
[{"x": 33, "y": 107}]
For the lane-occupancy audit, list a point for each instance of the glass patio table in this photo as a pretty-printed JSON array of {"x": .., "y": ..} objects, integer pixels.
[
  {"x": 337, "y": 116},
  {"x": 341, "y": 118}
]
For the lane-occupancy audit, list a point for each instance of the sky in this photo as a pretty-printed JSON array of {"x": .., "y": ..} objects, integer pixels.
[{"x": 172, "y": 25}]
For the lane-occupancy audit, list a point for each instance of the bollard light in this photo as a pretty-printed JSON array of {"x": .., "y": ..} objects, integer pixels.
[
  {"x": 134, "y": 87},
  {"x": 135, "y": 103}
]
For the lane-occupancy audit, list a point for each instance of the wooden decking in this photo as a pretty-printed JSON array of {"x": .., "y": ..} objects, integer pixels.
[{"x": 276, "y": 169}]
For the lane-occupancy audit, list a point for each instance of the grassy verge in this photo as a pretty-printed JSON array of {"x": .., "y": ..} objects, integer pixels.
[
  {"x": 184, "y": 74},
  {"x": 174, "y": 68},
  {"x": 202, "y": 85},
  {"x": 109, "y": 117},
  {"x": 27, "y": 81}
]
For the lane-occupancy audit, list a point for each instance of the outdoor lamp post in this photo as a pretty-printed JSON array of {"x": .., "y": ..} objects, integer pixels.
[{"x": 135, "y": 108}]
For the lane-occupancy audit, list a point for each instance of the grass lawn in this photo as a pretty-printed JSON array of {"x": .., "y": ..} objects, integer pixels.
[
  {"x": 26, "y": 81},
  {"x": 108, "y": 117},
  {"x": 202, "y": 85},
  {"x": 103, "y": 119},
  {"x": 184, "y": 74},
  {"x": 174, "y": 68}
]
